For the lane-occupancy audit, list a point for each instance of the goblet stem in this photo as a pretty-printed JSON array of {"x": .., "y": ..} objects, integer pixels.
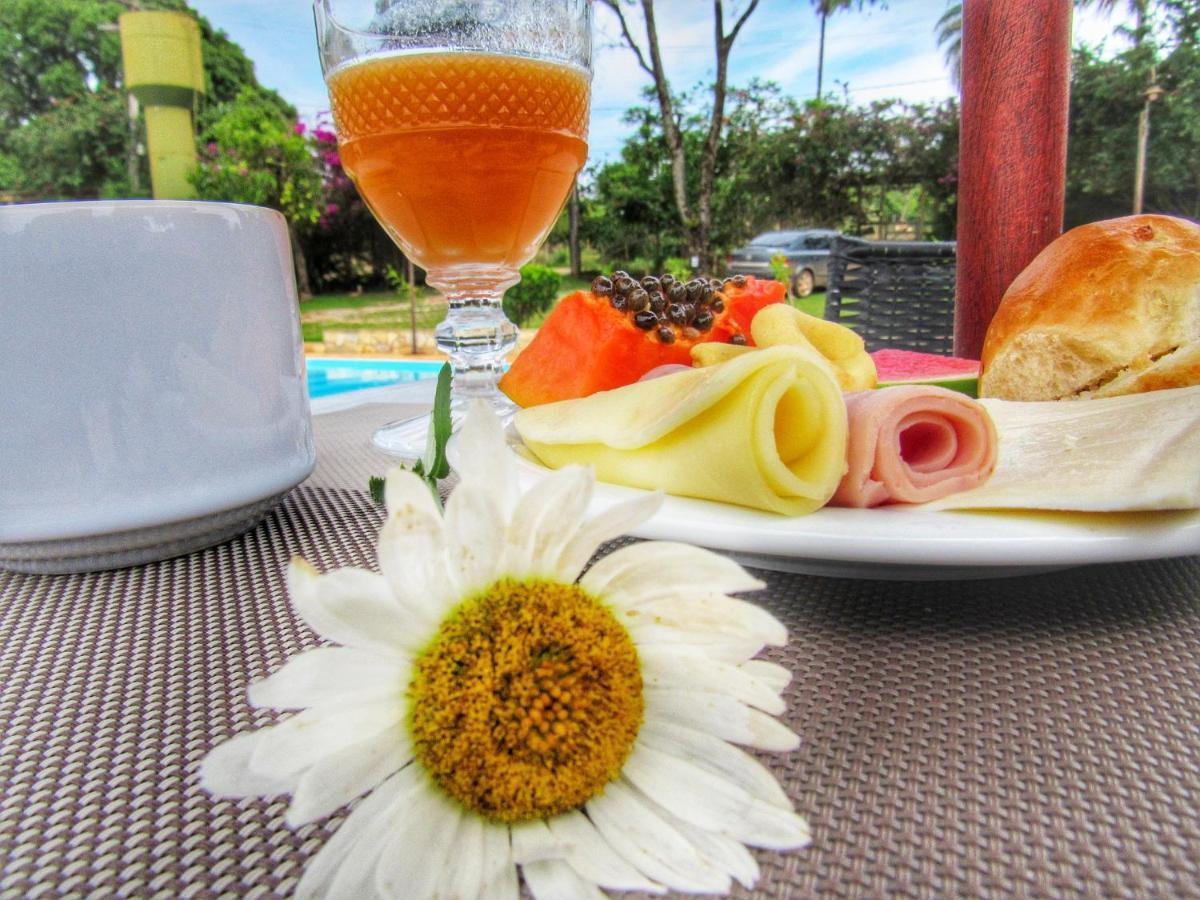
[{"x": 476, "y": 334}]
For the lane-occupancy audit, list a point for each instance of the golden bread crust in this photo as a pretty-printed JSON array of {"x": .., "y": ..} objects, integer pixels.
[{"x": 1103, "y": 300}]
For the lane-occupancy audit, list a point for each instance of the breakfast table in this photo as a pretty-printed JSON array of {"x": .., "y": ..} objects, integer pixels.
[{"x": 1031, "y": 736}]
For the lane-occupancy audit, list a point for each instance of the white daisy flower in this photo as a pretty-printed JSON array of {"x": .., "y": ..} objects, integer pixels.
[{"x": 507, "y": 718}]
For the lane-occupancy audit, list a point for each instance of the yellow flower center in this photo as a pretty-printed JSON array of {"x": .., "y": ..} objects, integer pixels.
[{"x": 527, "y": 701}]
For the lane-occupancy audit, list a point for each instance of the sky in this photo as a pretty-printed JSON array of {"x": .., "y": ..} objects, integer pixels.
[{"x": 870, "y": 55}]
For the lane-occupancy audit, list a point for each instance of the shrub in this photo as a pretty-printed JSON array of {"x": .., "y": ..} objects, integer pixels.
[
  {"x": 780, "y": 269},
  {"x": 533, "y": 294},
  {"x": 678, "y": 267}
]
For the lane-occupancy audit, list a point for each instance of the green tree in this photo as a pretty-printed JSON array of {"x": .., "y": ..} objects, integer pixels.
[
  {"x": 74, "y": 150},
  {"x": 254, "y": 155},
  {"x": 1106, "y": 96},
  {"x": 825, "y": 9},
  {"x": 64, "y": 124},
  {"x": 779, "y": 164},
  {"x": 693, "y": 197}
]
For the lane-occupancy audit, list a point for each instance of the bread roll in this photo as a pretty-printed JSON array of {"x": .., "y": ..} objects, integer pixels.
[{"x": 1108, "y": 308}]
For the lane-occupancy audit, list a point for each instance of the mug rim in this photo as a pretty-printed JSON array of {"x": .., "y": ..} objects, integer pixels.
[{"x": 135, "y": 202}]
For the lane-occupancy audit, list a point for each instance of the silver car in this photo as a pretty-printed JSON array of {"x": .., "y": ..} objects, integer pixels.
[{"x": 806, "y": 251}]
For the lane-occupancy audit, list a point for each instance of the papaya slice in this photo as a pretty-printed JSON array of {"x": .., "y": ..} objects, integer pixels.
[{"x": 614, "y": 334}]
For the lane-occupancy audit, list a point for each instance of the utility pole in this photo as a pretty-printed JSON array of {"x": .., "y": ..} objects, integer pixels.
[
  {"x": 821, "y": 52},
  {"x": 573, "y": 232},
  {"x": 131, "y": 148},
  {"x": 410, "y": 279},
  {"x": 1151, "y": 94}
]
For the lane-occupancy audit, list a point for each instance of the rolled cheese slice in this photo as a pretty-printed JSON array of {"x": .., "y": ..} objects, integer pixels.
[
  {"x": 765, "y": 430},
  {"x": 1134, "y": 452},
  {"x": 913, "y": 444}
]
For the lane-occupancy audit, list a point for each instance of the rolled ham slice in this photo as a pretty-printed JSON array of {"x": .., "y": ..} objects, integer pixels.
[{"x": 913, "y": 444}]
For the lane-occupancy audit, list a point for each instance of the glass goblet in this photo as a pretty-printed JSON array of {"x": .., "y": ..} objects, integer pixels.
[{"x": 463, "y": 126}]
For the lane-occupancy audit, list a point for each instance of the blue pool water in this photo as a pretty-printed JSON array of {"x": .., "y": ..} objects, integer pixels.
[{"x": 336, "y": 376}]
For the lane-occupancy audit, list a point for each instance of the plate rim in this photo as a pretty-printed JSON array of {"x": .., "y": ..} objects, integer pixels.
[{"x": 1028, "y": 540}]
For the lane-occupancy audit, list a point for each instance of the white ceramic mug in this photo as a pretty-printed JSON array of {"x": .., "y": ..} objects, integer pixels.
[{"x": 152, "y": 380}]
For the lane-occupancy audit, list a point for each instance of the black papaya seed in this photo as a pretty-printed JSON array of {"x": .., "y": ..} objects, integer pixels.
[{"x": 645, "y": 319}]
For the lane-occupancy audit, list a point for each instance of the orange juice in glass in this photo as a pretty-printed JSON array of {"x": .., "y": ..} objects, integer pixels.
[
  {"x": 465, "y": 158},
  {"x": 463, "y": 128}
]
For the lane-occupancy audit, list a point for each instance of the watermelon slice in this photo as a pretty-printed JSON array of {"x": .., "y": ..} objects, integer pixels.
[{"x": 911, "y": 367}]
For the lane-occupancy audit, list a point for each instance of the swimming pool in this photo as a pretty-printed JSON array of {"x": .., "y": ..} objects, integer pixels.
[{"x": 327, "y": 376}]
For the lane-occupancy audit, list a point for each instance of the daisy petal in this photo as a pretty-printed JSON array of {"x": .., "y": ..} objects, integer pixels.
[
  {"x": 612, "y": 523},
  {"x": 340, "y": 777},
  {"x": 718, "y": 757},
  {"x": 553, "y": 879},
  {"x": 714, "y": 612},
  {"x": 642, "y": 837},
  {"x": 226, "y": 771},
  {"x": 497, "y": 853},
  {"x": 505, "y": 886},
  {"x": 481, "y": 440},
  {"x": 625, "y": 575},
  {"x": 369, "y": 816},
  {"x": 417, "y": 852},
  {"x": 662, "y": 668},
  {"x": 474, "y": 537},
  {"x": 532, "y": 841},
  {"x": 309, "y": 736},
  {"x": 544, "y": 521},
  {"x": 592, "y": 857},
  {"x": 773, "y": 675},
  {"x": 358, "y": 874},
  {"x": 412, "y": 553},
  {"x": 464, "y": 876},
  {"x": 721, "y": 716},
  {"x": 730, "y": 648},
  {"x": 350, "y": 606},
  {"x": 730, "y": 855},
  {"x": 355, "y": 877},
  {"x": 712, "y": 803},
  {"x": 405, "y": 492},
  {"x": 329, "y": 675}
]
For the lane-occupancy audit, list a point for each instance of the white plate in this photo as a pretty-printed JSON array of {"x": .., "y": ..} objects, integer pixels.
[{"x": 907, "y": 543}]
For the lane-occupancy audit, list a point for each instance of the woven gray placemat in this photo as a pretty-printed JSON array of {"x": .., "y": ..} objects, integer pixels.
[{"x": 1036, "y": 736}]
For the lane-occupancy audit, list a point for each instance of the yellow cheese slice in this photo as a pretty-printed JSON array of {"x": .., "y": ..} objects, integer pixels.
[
  {"x": 1136, "y": 452},
  {"x": 764, "y": 429},
  {"x": 779, "y": 323}
]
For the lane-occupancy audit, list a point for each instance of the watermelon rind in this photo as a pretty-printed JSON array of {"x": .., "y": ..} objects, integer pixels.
[
  {"x": 897, "y": 366},
  {"x": 967, "y": 385}
]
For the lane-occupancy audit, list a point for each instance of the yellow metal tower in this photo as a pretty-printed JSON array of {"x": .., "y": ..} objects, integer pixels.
[{"x": 163, "y": 70}]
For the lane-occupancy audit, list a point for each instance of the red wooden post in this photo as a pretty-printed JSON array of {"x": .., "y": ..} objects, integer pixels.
[{"x": 1012, "y": 150}]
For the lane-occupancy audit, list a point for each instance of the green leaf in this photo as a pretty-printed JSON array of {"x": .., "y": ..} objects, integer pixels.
[
  {"x": 376, "y": 484},
  {"x": 441, "y": 424},
  {"x": 439, "y": 436}
]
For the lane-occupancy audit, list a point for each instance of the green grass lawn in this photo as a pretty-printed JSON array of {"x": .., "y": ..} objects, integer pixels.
[
  {"x": 814, "y": 304},
  {"x": 389, "y": 311},
  {"x": 382, "y": 310}
]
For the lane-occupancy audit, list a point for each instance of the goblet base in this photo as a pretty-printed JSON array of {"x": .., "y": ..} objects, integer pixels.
[{"x": 409, "y": 438}]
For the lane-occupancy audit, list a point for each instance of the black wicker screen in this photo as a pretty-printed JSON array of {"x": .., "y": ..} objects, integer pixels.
[{"x": 894, "y": 293}]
